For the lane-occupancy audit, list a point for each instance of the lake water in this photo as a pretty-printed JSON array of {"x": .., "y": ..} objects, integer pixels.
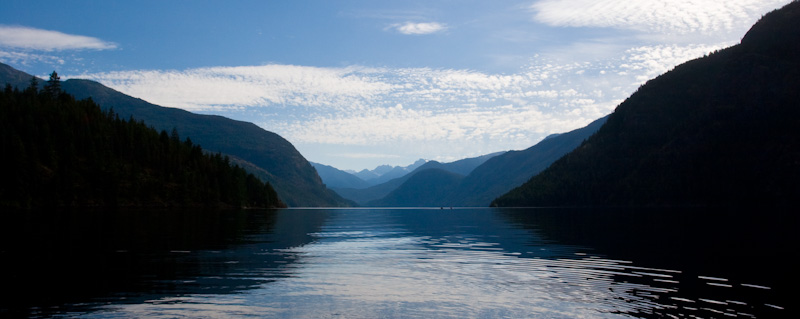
[{"x": 400, "y": 263}]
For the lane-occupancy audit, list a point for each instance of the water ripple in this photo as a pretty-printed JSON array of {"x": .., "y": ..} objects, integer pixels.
[{"x": 429, "y": 264}]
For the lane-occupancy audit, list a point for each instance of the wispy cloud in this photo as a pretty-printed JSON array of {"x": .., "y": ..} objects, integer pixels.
[
  {"x": 250, "y": 86},
  {"x": 653, "y": 16},
  {"x": 20, "y": 37},
  {"x": 26, "y": 58},
  {"x": 418, "y": 28},
  {"x": 361, "y": 106}
]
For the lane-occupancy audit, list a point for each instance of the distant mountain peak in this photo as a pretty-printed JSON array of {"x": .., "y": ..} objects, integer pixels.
[{"x": 384, "y": 173}]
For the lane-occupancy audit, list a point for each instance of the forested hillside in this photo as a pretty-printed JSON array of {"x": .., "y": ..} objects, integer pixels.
[
  {"x": 265, "y": 154},
  {"x": 719, "y": 130},
  {"x": 59, "y": 151}
]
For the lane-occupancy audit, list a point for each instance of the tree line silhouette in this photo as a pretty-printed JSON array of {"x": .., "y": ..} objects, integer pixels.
[{"x": 59, "y": 151}]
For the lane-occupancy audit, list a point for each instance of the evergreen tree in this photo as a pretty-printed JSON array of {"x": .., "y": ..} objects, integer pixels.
[
  {"x": 34, "y": 85},
  {"x": 53, "y": 87},
  {"x": 63, "y": 152}
]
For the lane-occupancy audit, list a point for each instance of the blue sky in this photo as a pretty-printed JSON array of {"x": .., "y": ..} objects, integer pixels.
[{"x": 356, "y": 84}]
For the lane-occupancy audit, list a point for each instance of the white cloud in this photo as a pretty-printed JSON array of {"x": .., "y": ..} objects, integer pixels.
[
  {"x": 446, "y": 112},
  {"x": 654, "y": 16},
  {"x": 25, "y": 58},
  {"x": 37, "y": 39},
  {"x": 419, "y": 28},
  {"x": 248, "y": 86},
  {"x": 651, "y": 61},
  {"x": 515, "y": 125}
]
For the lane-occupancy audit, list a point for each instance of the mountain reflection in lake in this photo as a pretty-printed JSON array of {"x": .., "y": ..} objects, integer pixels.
[{"x": 399, "y": 263}]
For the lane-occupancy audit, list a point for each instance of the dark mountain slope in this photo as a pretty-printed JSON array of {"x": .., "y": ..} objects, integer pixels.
[
  {"x": 14, "y": 77},
  {"x": 720, "y": 130},
  {"x": 296, "y": 182},
  {"x": 372, "y": 193},
  {"x": 461, "y": 167},
  {"x": 395, "y": 172},
  {"x": 334, "y": 177},
  {"x": 423, "y": 188},
  {"x": 467, "y": 165},
  {"x": 497, "y": 173},
  {"x": 67, "y": 153},
  {"x": 364, "y": 195},
  {"x": 500, "y": 174},
  {"x": 385, "y": 173}
]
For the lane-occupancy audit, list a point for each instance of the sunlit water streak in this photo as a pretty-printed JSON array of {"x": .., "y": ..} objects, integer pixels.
[{"x": 430, "y": 264}]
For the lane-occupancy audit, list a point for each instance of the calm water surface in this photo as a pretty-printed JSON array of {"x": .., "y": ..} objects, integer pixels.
[{"x": 400, "y": 263}]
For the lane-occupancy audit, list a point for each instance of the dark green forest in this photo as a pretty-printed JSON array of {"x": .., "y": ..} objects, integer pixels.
[
  {"x": 265, "y": 154},
  {"x": 63, "y": 152},
  {"x": 718, "y": 130}
]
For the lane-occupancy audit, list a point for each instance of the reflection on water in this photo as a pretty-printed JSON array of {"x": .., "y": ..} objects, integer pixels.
[{"x": 364, "y": 263}]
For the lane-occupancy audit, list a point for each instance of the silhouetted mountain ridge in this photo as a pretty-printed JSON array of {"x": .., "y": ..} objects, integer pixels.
[
  {"x": 333, "y": 177},
  {"x": 719, "y": 130},
  {"x": 382, "y": 174},
  {"x": 373, "y": 193},
  {"x": 279, "y": 163},
  {"x": 64, "y": 152},
  {"x": 498, "y": 173},
  {"x": 486, "y": 177},
  {"x": 505, "y": 172}
]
